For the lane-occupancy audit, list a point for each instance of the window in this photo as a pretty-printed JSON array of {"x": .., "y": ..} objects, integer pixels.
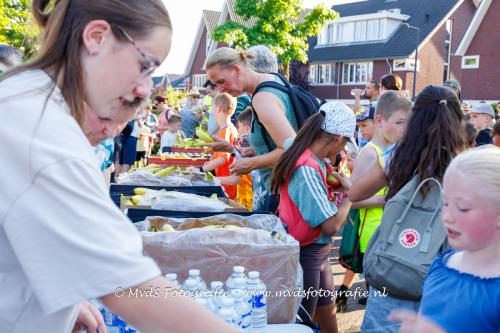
[
  {"x": 405, "y": 65},
  {"x": 470, "y": 62},
  {"x": 356, "y": 73},
  {"x": 347, "y": 32},
  {"x": 360, "y": 31},
  {"x": 199, "y": 80},
  {"x": 322, "y": 74}
]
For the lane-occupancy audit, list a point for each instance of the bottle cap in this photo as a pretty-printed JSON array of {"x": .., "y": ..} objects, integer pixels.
[
  {"x": 253, "y": 275},
  {"x": 171, "y": 276},
  {"x": 238, "y": 269},
  {"x": 194, "y": 272}
]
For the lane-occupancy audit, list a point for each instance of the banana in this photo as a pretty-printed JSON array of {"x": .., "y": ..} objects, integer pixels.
[
  {"x": 209, "y": 176},
  {"x": 203, "y": 135},
  {"x": 165, "y": 172},
  {"x": 136, "y": 199},
  {"x": 140, "y": 190}
]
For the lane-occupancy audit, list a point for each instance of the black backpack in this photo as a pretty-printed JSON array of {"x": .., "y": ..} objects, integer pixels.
[{"x": 303, "y": 102}]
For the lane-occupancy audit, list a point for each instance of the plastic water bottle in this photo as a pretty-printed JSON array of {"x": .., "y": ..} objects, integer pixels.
[
  {"x": 172, "y": 277},
  {"x": 243, "y": 309},
  {"x": 238, "y": 272},
  {"x": 240, "y": 284},
  {"x": 257, "y": 290},
  {"x": 227, "y": 316},
  {"x": 195, "y": 275},
  {"x": 191, "y": 285},
  {"x": 228, "y": 303},
  {"x": 217, "y": 288}
]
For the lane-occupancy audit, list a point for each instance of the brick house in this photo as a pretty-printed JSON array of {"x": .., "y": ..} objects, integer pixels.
[
  {"x": 376, "y": 37},
  {"x": 476, "y": 59}
]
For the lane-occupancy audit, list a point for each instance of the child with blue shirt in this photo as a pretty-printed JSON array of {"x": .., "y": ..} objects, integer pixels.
[
  {"x": 300, "y": 178},
  {"x": 462, "y": 288}
]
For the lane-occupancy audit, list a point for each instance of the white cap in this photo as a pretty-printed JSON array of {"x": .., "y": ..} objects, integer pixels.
[
  {"x": 216, "y": 284},
  {"x": 194, "y": 272},
  {"x": 483, "y": 107},
  {"x": 238, "y": 269},
  {"x": 226, "y": 301},
  {"x": 171, "y": 276},
  {"x": 339, "y": 119},
  {"x": 253, "y": 275}
]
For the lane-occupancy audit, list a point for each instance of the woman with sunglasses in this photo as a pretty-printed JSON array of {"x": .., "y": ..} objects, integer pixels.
[{"x": 62, "y": 241}]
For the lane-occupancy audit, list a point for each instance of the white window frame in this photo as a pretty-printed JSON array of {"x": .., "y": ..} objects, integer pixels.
[
  {"x": 409, "y": 65},
  {"x": 353, "y": 65},
  {"x": 199, "y": 80},
  {"x": 317, "y": 73},
  {"x": 466, "y": 66}
]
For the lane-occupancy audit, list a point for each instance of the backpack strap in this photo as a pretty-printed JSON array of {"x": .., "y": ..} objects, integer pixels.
[
  {"x": 268, "y": 84},
  {"x": 428, "y": 230}
]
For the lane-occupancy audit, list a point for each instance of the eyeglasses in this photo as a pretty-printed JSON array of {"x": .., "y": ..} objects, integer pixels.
[{"x": 150, "y": 64}]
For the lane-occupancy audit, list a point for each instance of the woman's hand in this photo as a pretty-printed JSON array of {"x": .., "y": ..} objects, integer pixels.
[
  {"x": 89, "y": 319},
  {"x": 241, "y": 166},
  {"x": 247, "y": 152},
  {"x": 221, "y": 145},
  {"x": 412, "y": 322}
]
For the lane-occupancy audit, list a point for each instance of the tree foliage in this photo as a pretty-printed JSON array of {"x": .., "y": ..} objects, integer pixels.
[
  {"x": 274, "y": 23},
  {"x": 16, "y": 26}
]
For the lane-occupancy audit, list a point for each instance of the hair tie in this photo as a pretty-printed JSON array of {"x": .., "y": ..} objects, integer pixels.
[{"x": 443, "y": 101}]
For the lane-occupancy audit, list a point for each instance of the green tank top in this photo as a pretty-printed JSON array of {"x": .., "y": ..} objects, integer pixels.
[
  {"x": 256, "y": 136},
  {"x": 371, "y": 216}
]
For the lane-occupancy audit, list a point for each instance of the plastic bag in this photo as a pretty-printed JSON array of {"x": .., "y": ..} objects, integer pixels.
[{"x": 186, "y": 202}]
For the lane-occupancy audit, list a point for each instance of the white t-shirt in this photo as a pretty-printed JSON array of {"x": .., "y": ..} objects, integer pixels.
[
  {"x": 143, "y": 138},
  {"x": 168, "y": 139},
  {"x": 62, "y": 240}
]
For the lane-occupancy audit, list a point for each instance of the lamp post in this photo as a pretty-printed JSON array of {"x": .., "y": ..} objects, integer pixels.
[{"x": 416, "y": 58}]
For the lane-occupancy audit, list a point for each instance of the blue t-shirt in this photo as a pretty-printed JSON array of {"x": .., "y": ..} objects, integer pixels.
[
  {"x": 309, "y": 194},
  {"x": 460, "y": 302}
]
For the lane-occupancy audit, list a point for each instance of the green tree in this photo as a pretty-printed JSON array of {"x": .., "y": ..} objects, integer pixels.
[
  {"x": 16, "y": 26},
  {"x": 276, "y": 24}
]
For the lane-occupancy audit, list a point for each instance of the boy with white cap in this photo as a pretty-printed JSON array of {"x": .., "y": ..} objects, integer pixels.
[{"x": 482, "y": 115}]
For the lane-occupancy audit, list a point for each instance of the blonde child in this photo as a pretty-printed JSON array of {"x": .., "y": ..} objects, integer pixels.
[
  {"x": 169, "y": 136},
  {"x": 143, "y": 139},
  {"x": 244, "y": 193},
  {"x": 462, "y": 288},
  {"x": 225, "y": 106}
]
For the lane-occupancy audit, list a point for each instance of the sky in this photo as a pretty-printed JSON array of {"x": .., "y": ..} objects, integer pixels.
[{"x": 186, "y": 16}]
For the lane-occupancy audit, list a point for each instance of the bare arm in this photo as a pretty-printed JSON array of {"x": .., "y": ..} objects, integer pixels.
[
  {"x": 213, "y": 164},
  {"x": 230, "y": 180},
  {"x": 373, "y": 202},
  {"x": 366, "y": 160},
  {"x": 369, "y": 184},
  {"x": 333, "y": 224},
  {"x": 164, "y": 314},
  {"x": 271, "y": 113}
]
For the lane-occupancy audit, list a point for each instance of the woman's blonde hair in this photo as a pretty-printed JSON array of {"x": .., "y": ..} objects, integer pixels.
[
  {"x": 481, "y": 164},
  {"x": 227, "y": 57},
  {"x": 63, "y": 23}
]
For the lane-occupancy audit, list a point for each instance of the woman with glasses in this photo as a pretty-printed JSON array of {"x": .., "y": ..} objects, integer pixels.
[{"x": 62, "y": 241}]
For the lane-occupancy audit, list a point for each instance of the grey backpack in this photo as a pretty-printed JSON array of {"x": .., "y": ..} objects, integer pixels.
[{"x": 408, "y": 239}]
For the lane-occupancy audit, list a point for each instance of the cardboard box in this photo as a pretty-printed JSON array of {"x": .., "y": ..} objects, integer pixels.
[{"x": 214, "y": 251}]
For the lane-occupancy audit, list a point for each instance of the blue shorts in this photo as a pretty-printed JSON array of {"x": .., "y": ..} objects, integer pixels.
[
  {"x": 129, "y": 150},
  {"x": 378, "y": 308}
]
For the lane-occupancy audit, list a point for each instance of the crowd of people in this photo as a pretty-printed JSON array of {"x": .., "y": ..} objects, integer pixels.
[{"x": 64, "y": 242}]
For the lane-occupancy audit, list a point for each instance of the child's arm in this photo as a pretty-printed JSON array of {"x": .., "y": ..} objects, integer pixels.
[
  {"x": 213, "y": 164},
  {"x": 370, "y": 183},
  {"x": 367, "y": 160},
  {"x": 230, "y": 180},
  {"x": 375, "y": 201}
]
